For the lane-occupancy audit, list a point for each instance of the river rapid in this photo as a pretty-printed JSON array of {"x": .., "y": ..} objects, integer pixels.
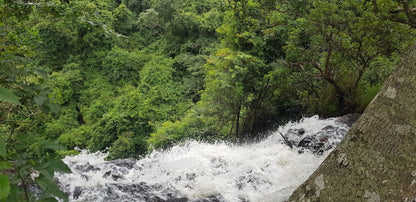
[{"x": 267, "y": 170}]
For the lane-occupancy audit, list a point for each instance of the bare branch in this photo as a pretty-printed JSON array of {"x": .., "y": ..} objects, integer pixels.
[
  {"x": 300, "y": 65},
  {"x": 401, "y": 9}
]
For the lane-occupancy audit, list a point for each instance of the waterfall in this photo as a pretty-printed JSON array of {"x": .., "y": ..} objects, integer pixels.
[{"x": 268, "y": 170}]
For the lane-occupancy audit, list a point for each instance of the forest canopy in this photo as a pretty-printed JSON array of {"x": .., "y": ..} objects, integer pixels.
[{"x": 130, "y": 76}]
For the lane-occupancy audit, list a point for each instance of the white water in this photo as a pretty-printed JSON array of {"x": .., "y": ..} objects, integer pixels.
[{"x": 265, "y": 171}]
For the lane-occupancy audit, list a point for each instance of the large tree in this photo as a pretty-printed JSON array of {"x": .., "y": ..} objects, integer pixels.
[
  {"x": 340, "y": 43},
  {"x": 376, "y": 159}
]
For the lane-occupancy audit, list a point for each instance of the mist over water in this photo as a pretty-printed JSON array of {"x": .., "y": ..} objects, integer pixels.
[{"x": 268, "y": 170}]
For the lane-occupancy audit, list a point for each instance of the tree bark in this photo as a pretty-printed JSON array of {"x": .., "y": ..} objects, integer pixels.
[{"x": 376, "y": 161}]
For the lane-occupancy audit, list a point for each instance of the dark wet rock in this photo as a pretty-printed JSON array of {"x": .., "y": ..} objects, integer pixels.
[
  {"x": 106, "y": 174},
  {"x": 87, "y": 168},
  {"x": 178, "y": 200},
  {"x": 56, "y": 180},
  {"x": 307, "y": 142},
  {"x": 126, "y": 163},
  {"x": 323, "y": 139},
  {"x": 117, "y": 177},
  {"x": 154, "y": 199},
  {"x": 317, "y": 144},
  {"x": 213, "y": 198},
  {"x": 218, "y": 162},
  {"x": 114, "y": 174},
  {"x": 349, "y": 119},
  {"x": 77, "y": 192},
  {"x": 320, "y": 141},
  {"x": 190, "y": 176},
  {"x": 328, "y": 127},
  {"x": 134, "y": 188},
  {"x": 250, "y": 179},
  {"x": 159, "y": 199},
  {"x": 111, "y": 192},
  {"x": 296, "y": 131},
  {"x": 86, "y": 178},
  {"x": 132, "y": 192},
  {"x": 35, "y": 188}
]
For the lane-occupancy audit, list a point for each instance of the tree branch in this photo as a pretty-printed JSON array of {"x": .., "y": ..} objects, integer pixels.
[
  {"x": 411, "y": 21},
  {"x": 401, "y": 9},
  {"x": 300, "y": 65}
]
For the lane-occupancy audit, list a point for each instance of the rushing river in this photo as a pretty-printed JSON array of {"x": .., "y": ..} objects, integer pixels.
[{"x": 268, "y": 170}]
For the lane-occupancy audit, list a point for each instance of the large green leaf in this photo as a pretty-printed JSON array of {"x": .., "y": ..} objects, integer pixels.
[
  {"x": 3, "y": 151},
  {"x": 50, "y": 187},
  {"x": 47, "y": 144},
  {"x": 53, "y": 107},
  {"x": 47, "y": 169},
  {"x": 4, "y": 165},
  {"x": 4, "y": 186},
  {"x": 8, "y": 96},
  {"x": 14, "y": 194},
  {"x": 57, "y": 165},
  {"x": 39, "y": 100}
]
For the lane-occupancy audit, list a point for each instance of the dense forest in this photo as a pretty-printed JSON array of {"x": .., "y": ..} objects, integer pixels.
[{"x": 131, "y": 76}]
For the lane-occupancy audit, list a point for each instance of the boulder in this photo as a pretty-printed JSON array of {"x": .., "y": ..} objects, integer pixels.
[{"x": 348, "y": 119}]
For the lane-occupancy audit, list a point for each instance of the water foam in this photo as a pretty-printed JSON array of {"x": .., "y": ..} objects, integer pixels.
[{"x": 268, "y": 170}]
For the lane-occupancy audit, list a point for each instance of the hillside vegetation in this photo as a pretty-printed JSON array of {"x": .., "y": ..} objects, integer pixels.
[{"x": 131, "y": 76}]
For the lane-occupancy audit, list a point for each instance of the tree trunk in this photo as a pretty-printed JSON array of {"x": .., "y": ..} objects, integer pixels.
[{"x": 376, "y": 161}]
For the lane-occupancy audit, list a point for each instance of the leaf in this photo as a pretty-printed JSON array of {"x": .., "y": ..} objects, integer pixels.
[
  {"x": 47, "y": 173},
  {"x": 48, "y": 106},
  {"x": 39, "y": 100},
  {"x": 4, "y": 187},
  {"x": 54, "y": 107},
  {"x": 8, "y": 96},
  {"x": 57, "y": 165},
  {"x": 14, "y": 193},
  {"x": 4, "y": 165},
  {"x": 48, "y": 199},
  {"x": 3, "y": 151},
  {"x": 50, "y": 187},
  {"x": 42, "y": 73},
  {"x": 47, "y": 144}
]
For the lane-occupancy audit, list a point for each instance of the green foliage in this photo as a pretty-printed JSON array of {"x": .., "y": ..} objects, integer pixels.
[
  {"x": 164, "y": 100},
  {"x": 65, "y": 85},
  {"x": 137, "y": 6},
  {"x": 75, "y": 137},
  {"x": 127, "y": 145},
  {"x": 181, "y": 22},
  {"x": 8, "y": 96},
  {"x": 233, "y": 89},
  {"x": 4, "y": 187},
  {"x": 129, "y": 122},
  {"x": 54, "y": 49},
  {"x": 67, "y": 118},
  {"x": 327, "y": 67},
  {"x": 26, "y": 157},
  {"x": 337, "y": 42},
  {"x": 123, "y": 19},
  {"x": 150, "y": 24},
  {"x": 254, "y": 27},
  {"x": 193, "y": 125},
  {"x": 167, "y": 135},
  {"x": 121, "y": 65},
  {"x": 189, "y": 72},
  {"x": 134, "y": 75}
]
